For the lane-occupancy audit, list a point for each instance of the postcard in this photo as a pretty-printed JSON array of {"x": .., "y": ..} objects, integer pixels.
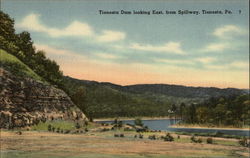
[{"x": 124, "y": 79}]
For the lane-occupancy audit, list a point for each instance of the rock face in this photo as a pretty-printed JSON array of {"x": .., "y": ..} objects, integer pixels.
[{"x": 24, "y": 102}]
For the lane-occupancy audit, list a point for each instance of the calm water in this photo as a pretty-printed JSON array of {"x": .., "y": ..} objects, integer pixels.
[{"x": 164, "y": 125}]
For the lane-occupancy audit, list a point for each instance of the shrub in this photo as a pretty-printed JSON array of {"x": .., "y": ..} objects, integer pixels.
[
  {"x": 66, "y": 131},
  {"x": 193, "y": 139},
  {"x": 121, "y": 135},
  {"x": 243, "y": 142},
  {"x": 58, "y": 130},
  {"x": 209, "y": 140},
  {"x": 199, "y": 140},
  {"x": 152, "y": 137},
  {"x": 49, "y": 128},
  {"x": 140, "y": 136},
  {"x": 169, "y": 138},
  {"x": 138, "y": 122},
  {"x": 86, "y": 130},
  {"x": 77, "y": 125},
  {"x": 116, "y": 135}
]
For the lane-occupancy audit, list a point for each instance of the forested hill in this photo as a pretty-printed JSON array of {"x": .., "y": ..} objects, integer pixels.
[
  {"x": 167, "y": 90},
  {"x": 103, "y": 99}
]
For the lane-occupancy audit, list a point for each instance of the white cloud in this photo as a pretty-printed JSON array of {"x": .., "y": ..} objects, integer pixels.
[
  {"x": 217, "y": 67},
  {"x": 206, "y": 60},
  {"x": 229, "y": 66},
  {"x": 215, "y": 47},
  {"x": 170, "y": 47},
  {"x": 76, "y": 28},
  {"x": 240, "y": 65},
  {"x": 227, "y": 31},
  {"x": 174, "y": 61},
  {"x": 111, "y": 36},
  {"x": 106, "y": 56}
]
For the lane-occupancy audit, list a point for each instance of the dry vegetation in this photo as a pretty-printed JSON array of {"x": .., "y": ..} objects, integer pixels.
[{"x": 104, "y": 145}]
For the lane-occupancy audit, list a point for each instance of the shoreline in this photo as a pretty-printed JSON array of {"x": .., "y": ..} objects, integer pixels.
[
  {"x": 129, "y": 118},
  {"x": 206, "y": 127},
  {"x": 172, "y": 126}
]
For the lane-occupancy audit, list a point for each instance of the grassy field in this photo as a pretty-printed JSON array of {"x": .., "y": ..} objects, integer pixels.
[
  {"x": 16, "y": 66},
  {"x": 34, "y": 144}
]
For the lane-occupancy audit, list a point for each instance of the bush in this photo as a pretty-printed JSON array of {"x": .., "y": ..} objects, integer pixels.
[
  {"x": 116, "y": 135},
  {"x": 58, "y": 130},
  {"x": 140, "y": 136},
  {"x": 152, "y": 137},
  {"x": 209, "y": 140},
  {"x": 169, "y": 138},
  {"x": 195, "y": 140},
  {"x": 77, "y": 125},
  {"x": 49, "y": 128},
  {"x": 199, "y": 140},
  {"x": 243, "y": 142},
  {"x": 121, "y": 135},
  {"x": 138, "y": 122}
]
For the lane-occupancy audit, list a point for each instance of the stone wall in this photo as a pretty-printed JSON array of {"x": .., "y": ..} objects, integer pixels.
[{"x": 24, "y": 102}]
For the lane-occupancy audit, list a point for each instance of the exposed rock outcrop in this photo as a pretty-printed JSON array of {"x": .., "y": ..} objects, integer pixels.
[{"x": 25, "y": 101}]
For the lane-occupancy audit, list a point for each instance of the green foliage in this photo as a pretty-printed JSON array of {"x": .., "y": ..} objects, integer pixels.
[
  {"x": 21, "y": 46},
  {"x": 49, "y": 128},
  {"x": 168, "y": 137},
  {"x": 64, "y": 125},
  {"x": 77, "y": 125},
  {"x": 244, "y": 142},
  {"x": 100, "y": 101},
  {"x": 14, "y": 65},
  {"x": 195, "y": 140},
  {"x": 224, "y": 111},
  {"x": 209, "y": 140},
  {"x": 138, "y": 122}
]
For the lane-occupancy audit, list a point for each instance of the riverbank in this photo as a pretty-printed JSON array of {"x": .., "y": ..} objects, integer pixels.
[
  {"x": 195, "y": 126},
  {"x": 129, "y": 118}
]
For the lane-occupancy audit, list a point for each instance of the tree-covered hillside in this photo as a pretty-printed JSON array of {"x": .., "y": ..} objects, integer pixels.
[{"x": 21, "y": 46}]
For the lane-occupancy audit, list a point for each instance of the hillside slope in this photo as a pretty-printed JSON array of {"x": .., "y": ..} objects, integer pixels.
[
  {"x": 11, "y": 63},
  {"x": 26, "y": 99}
]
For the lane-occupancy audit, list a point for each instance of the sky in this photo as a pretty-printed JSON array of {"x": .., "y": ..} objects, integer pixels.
[{"x": 207, "y": 50}]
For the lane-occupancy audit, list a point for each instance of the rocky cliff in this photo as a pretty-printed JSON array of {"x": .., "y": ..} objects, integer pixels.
[{"x": 25, "y": 101}]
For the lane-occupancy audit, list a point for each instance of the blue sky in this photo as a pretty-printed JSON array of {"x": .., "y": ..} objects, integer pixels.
[{"x": 196, "y": 50}]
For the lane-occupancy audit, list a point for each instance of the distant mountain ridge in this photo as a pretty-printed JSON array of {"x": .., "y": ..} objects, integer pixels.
[{"x": 169, "y": 90}]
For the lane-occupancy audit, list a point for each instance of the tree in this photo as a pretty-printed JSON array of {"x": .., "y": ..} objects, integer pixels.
[
  {"x": 7, "y": 30},
  {"x": 192, "y": 112},
  {"x": 202, "y": 114},
  {"x": 182, "y": 106},
  {"x": 138, "y": 122},
  {"x": 79, "y": 98}
]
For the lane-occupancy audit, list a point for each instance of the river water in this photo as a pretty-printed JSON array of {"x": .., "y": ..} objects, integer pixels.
[{"x": 164, "y": 125}]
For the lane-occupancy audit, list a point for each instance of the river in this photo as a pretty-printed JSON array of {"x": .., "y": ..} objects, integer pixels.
[{"x": 164, "y": 125}]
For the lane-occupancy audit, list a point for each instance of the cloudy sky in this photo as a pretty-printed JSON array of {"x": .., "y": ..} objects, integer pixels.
[{"x": 195, "y": 50}]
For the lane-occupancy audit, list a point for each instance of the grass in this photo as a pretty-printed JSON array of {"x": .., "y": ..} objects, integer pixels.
[
  {"x": 17, "y": 67},
  {"x": 65, "y": 125},
  {"x": 187, "y": 125},
  {"x": 104, "y": 145},
  {"x": 210, "y": 135}
]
